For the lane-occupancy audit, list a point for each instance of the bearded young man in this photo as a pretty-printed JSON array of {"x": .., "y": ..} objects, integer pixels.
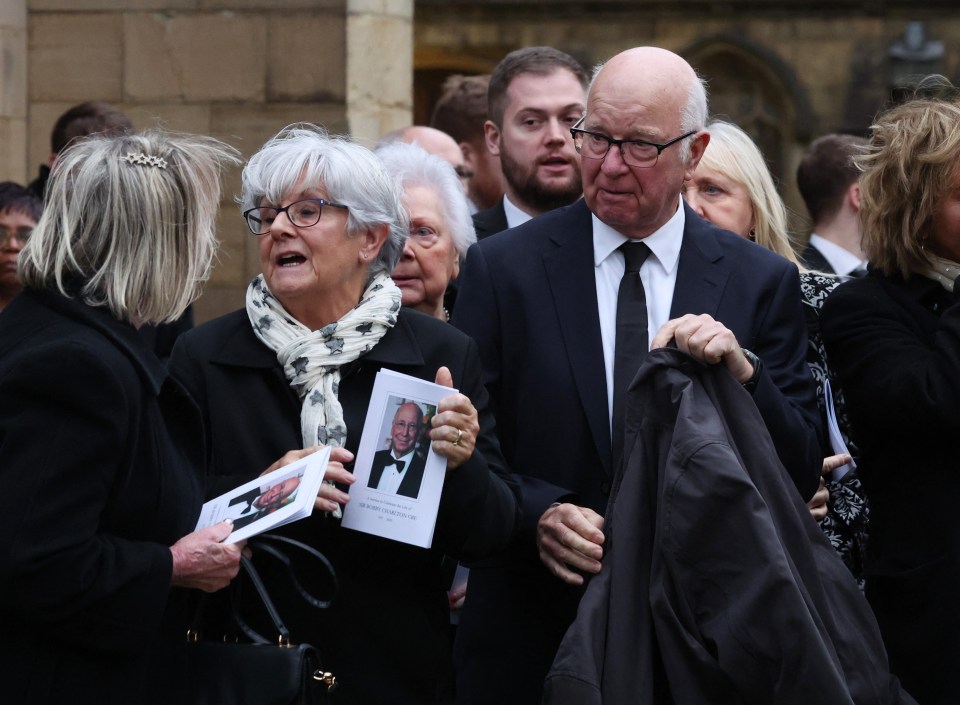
[{"x": 536, "y": 95}]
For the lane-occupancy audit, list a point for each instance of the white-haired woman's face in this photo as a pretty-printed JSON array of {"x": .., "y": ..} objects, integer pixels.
[
  {"x": 429, "y": 258},
  {"x": 317, "y": 272},
  {"x": 716, "y": 197}
]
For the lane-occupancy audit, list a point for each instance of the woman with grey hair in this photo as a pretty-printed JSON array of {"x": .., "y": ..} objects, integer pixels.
[
  {"x": 441, "y": 229},
  {"x": 99, "y": 449},
  {"x": 295, "y": 369}
]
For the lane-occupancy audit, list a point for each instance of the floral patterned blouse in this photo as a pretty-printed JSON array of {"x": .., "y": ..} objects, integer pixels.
[{"x": 845, "y": 524}]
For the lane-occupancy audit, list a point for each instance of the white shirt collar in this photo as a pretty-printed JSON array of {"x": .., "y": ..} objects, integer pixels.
[
  {"x": 842, "y": 261},
  {"x": 515, "y": 216},
  {"x": 663, "y": 243}
]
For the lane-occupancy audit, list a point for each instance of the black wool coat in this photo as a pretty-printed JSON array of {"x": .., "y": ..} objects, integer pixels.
[
  {"x": 895, "y": 346},
  {"x": 386, "y": 637},
  {"x": 99, "y": 454}
]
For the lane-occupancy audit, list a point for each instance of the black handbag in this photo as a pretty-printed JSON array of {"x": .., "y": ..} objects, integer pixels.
[{"x": 262, "y": 672}]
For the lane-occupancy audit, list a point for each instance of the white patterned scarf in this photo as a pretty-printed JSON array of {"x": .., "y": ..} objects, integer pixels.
[
  {"x": 311, "y": 359},
  {"x": 942, "y": 270}
]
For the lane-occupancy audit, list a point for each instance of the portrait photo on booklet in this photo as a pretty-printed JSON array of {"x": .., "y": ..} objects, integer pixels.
[
  {"x": 399, "y": 477},
  {"x": 269, "y": 501}
]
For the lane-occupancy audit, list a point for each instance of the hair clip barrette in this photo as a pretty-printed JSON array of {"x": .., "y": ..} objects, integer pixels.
[{"x": 142, "y": 159}]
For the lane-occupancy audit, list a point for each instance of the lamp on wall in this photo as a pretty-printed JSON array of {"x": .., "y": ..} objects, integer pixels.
[{"x": 912, "y": 57}]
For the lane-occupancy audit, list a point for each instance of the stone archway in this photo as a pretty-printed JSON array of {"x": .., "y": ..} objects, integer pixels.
[{"x": 752, "y": 87}]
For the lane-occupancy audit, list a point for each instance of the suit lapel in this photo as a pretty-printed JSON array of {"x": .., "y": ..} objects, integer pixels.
[
  {"x": 701, "y": 273},
  {"x": 491, "y": 221},
  {"x": 410, "y": 484},
  {"x": 569, "y": 269}
]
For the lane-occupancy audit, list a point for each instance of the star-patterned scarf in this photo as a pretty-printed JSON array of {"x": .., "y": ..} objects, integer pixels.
[
  {"x": 942, "y": 270},
  {"x": 311, "y": 360}
]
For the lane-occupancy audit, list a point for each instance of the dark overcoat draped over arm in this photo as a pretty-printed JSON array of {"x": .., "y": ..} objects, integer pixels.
[{"x": 717, "y": 585}]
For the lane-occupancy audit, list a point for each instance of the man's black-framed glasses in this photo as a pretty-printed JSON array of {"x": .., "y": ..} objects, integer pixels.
[
  {"x": 639, "y": 153},
  {"x": 302, "y": 214}
]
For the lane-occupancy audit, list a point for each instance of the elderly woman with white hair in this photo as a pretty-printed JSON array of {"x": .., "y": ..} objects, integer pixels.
[
  {"x": 295, "y": 369},
  {"x": 441, "y": 229},
  {"x": 100, "y": 450}
]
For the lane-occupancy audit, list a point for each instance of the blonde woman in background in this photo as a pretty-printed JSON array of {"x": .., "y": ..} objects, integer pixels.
[{"x": 733, "y": 189}]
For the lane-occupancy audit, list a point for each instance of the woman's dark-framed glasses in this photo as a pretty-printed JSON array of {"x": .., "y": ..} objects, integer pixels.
[
  {"x": 301, "y": 214},
  {"x": 8, "y": 234},
  {"x": 639, "y": 153}
]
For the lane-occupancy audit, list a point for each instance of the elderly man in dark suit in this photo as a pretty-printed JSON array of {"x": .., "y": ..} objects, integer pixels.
[{"x": 564, "y": 308}]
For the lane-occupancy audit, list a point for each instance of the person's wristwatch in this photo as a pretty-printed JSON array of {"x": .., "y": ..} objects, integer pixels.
[{"x": 751, "y": 384}]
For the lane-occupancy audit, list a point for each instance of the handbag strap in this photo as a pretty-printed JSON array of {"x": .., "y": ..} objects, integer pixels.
[
  {"x": 283, "y": 634},
  {"x": 265, "y": 542}
]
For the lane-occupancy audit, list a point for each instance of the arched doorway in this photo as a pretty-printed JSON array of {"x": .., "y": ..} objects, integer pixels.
[{"x": 752, "y": 87}]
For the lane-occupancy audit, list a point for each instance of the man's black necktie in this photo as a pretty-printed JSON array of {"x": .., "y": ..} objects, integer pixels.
[
  {"x": 632, "y": 342},
  {"x": 394, "y": 461}
]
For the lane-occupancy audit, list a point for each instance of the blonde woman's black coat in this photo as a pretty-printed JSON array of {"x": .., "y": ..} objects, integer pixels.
[{"x": 99, "y": 451}]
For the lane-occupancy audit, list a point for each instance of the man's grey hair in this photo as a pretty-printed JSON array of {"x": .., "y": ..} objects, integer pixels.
[
  {"x": 305, "y": 157},
  {"x": 414, "y": 166},
  {"x": 129, "y": 223},
  {"x": 694, "y": 115}
]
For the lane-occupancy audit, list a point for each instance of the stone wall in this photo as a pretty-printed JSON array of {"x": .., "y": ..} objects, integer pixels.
[
  {"x": 814, "y": 67},
  {"x": 241, "y": 69},
  {"x": 13, "y": 90},
  {"x": 235, "y": 69}
]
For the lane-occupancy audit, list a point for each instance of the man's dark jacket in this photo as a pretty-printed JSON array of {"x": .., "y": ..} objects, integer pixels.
[
  {"x": 812, "y": 258},
  {"x": 528, "y": 298},
  {"x": 412, "y": 478},
  {"x": 490, "y": 221},
  {"x": 485, "y": 223},
  {"x": 717, "y": 585}
]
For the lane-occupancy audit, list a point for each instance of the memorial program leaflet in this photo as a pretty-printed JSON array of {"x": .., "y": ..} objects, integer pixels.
[
  {"x": 277, "y": 498},
  {"x": 399, "y": 477}
]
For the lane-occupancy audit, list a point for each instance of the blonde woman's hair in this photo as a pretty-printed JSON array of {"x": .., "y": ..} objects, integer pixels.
[
  {"x": 908, "y": 169},
  {"x": 129, "y": 223},
  {"x": 732, "y": 153}
]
